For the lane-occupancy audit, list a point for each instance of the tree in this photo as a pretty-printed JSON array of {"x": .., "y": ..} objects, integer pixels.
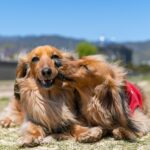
[{"x": 85, "y": 49}]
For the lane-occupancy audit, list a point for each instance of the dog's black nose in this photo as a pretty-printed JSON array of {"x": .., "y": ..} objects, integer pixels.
[{"x": 46, "y": 72}]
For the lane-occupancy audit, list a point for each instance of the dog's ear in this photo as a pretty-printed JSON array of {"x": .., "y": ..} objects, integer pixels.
[
  {"x": 22, "y": 71},
  {"x": 22, "y": 68},
  {"x": 68, "y": 56}
]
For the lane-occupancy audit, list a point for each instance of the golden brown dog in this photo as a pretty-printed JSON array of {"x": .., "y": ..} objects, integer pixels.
[
  {"x": 44, "y": 105},
  {"x": 104, "y": 101},
  {"x": 13, "y": 114}
]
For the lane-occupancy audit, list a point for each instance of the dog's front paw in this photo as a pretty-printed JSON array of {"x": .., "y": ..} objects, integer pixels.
[
  {"x": 6, "y": 122},
  {"x": 92, "y": 135},
  {"x": 29, "y": 141},
  {"x": 124, "y": 134}
]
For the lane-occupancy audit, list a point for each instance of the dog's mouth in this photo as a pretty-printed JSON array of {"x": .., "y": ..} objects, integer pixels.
[{"x": 46, "y": 83}]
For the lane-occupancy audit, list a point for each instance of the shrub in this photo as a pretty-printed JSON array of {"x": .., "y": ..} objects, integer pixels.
[{"x": 85, "y": 49}]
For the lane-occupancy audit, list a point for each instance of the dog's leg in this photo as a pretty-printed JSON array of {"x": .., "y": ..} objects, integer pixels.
[
  {"x": 31, "y": 135},
  {"x": 87, "y": 134},
  {"x": 12, "y": 115},
  {"x": 121, "y": 133}
]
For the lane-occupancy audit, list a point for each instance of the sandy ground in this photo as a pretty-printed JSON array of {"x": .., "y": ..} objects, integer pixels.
[{"x": 8, "y": 137}]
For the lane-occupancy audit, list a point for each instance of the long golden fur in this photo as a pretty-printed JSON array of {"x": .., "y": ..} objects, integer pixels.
[
  {"x": 45, "y": 106},
  {"x": 104, "y": 101},
  {"x": 86, "y": 97}
]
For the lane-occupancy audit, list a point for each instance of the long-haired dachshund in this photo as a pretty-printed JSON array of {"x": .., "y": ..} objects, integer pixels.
[
  {"x": 107, "y": 100},
  {"x": 44, "y": 104}
]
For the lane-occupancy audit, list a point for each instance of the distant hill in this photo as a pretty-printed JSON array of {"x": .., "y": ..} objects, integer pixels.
[{"x": 11, "y": 46}]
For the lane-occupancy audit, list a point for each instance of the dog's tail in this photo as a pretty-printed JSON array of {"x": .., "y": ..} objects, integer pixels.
[
  {"x": 117, "y": 105},
  {"x": 109, "y": 94},
  {"x": 120, "y": 109}
]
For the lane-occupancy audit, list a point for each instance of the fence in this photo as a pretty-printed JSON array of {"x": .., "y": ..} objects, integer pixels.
[{"x": 7, "y": 70}]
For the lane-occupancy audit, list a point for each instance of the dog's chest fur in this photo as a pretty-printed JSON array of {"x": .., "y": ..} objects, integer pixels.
[{"x": 49, "y": 108}]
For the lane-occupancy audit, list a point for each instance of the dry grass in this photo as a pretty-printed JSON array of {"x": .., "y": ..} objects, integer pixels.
[{"x": 8, "y": 137}]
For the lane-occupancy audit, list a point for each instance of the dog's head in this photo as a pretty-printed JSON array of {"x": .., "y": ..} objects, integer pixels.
[
  {"x": 85, "y": 71},
  {"x": 42, "y": 63}
]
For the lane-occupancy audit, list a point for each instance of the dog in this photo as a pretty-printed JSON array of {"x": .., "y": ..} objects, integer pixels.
[
  {"x": 44, "y": 106},
  {"x": 108, "y": 102}
]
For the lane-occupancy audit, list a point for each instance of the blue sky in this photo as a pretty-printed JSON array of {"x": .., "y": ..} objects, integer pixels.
[{"x": 122, "y": 20}]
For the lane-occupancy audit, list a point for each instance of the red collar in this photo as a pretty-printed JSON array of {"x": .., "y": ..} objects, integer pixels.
[{"x": 135, "y": 96}]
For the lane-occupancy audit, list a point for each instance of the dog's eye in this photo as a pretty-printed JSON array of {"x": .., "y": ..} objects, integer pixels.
[
  {"x": 35, "y": 59},
  {"x": 85, "y": 67},
  {"x": 54, "y": 57}
]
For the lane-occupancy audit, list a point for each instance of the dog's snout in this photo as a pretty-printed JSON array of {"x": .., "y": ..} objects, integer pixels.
[{"x": 46, "y": 72}]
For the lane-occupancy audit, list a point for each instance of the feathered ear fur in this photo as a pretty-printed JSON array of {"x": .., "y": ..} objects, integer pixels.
[
  {"x": 68, "y": 56},
  {"x": 22, "y": 69}
]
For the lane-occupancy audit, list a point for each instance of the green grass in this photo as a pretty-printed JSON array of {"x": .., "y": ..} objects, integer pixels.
[
  {"x": 8, "y": 141},
  {"x": 3, "y": 103}
]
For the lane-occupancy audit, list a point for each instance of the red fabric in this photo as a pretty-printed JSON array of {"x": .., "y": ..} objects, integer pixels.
[{"x": 135, "y": 96}]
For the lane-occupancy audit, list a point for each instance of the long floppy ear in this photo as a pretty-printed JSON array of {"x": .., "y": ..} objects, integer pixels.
[
  {"x": 22, "y": 69},
  {"x": 68, "y": 56}
]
